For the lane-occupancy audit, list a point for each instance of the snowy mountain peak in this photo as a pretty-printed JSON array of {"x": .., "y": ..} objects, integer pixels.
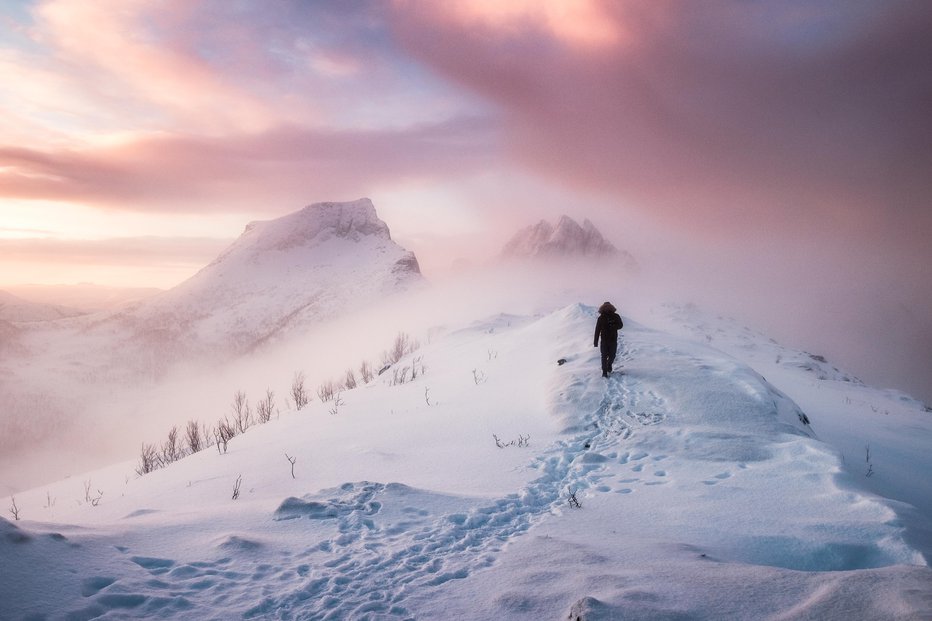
[
  {"x": 296, "y": 270},
  {"x": 567, "y": 239},
  {"x": 313, "y": 225}
]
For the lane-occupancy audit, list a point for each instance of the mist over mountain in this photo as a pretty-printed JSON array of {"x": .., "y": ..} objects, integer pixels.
[
  {"x": 281, "y": 275},
  {"x": 85, "y": 296},
  {"x": 280, "y": 280},
  {"x": 16, "y": 309},
  {"x": 567, "y": 239}
]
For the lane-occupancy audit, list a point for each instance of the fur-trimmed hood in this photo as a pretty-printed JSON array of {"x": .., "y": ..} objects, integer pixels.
[{"x": 607, "y": 307}]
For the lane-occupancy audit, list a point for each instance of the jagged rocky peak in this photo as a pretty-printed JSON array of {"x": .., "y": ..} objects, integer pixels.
[{"x": 567, "y": 239}]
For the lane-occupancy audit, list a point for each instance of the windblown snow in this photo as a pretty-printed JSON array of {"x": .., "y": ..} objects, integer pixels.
[
  {"x": 282, "y": 274},
  {"x": 499, "y": 484}
]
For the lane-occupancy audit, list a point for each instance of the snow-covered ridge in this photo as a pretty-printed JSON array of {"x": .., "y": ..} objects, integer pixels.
[{"x": 699, "y": 486}]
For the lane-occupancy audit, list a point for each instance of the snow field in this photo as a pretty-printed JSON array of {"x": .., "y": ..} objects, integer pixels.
[{"x": 703, "y": 495}]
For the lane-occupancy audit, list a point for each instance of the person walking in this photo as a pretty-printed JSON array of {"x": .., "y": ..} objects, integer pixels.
[{"x": 606, "y": 330}]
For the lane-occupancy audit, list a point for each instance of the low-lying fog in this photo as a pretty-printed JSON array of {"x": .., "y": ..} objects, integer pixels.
[{"x": 62, "y": 417}]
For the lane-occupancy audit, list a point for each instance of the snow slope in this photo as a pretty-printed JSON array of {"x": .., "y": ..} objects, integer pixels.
[
  {"x": 703, "y": 493},
  {"x": 93, "y": 375},
  {"x": 282, "y": 274}
]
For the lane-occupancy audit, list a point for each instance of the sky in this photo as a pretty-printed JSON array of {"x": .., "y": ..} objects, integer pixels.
[{"x": 775, "y": 156}]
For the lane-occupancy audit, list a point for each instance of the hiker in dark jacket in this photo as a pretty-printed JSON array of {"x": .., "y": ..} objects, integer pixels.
[{"x": 606, "y": 328}]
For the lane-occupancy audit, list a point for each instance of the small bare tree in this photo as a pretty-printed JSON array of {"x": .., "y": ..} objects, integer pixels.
[
  {"x": 327, "y": 390},
  {"x": 265, "y": 406},
  {"x": 349, "y": 380},
  {"x": 224, "y": 432},
  {"x": 242, "y": 413},
  {"x": 291, "y": 460},
  {"x": 171, "y": 449},
  {"x": 400, "y": 375},
  {"x": 366, "y": 372},
  {"x": 298, "y": 392},
  {"x": 193, "y": 436},
  {"x": 206, "y": 435},
  {"x": 417, "y": 367},
  {"x": 14, "y": 510},
  {"x": 401, "y": 347},
  {"x": 148, "y": 459}
]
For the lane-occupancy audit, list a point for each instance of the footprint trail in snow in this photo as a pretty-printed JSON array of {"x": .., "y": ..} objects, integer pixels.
[{"x": 384, "y": 547}]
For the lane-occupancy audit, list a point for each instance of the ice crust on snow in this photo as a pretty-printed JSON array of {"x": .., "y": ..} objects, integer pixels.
[{"x": 703, "y": 495}]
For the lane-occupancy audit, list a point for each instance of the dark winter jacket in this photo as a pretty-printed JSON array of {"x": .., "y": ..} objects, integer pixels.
[{"x": 608, "y": 324}]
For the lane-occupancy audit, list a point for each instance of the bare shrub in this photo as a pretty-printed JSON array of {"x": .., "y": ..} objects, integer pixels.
[
  {"x": 223, "y": 433},
  {"x": 291, "y": 460},
  {"x": 521, "y": 442},
  {"x": 573, "y": 500},
  {"x": 87, "y": 491},
  {"x": 193, "y": 436},
  {"x": 349, "y": 380},
  {"x": 149, "y": 459},
  {"x": 14, "y": 510},
  {"x": 366, "y": 372},
  {"x": 242, "y": 413},
  {"x": 236, "y": 486},
  {"x": 298, "y": 392},
  {"x": 327, "y": 390},
  {"x": 417, "y": 367},
  {"x": 206, "y": 435},
  {"x": 265, "y": 406},
  {"x": 401, "y": 347},
  {"x": 407, "y": 373},
  {"x": 399, "y": 375},
  {"x": 171, "y": 449}
]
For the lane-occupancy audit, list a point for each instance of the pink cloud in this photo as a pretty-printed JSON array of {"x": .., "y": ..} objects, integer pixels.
[
  {"x": 281, "y": 166},
  {"x": 728, "y": 113},
  {"x": 129, "y": 251}
]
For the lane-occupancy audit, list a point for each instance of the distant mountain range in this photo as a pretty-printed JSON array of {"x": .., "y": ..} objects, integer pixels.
[
  {"x": 84, "y": 297},
  {"x": 15, "y": 309}
]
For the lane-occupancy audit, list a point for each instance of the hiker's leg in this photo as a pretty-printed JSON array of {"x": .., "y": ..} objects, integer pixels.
[
  {"x": 606, "y": 356},
  {"x": 611, "y": 351}
]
